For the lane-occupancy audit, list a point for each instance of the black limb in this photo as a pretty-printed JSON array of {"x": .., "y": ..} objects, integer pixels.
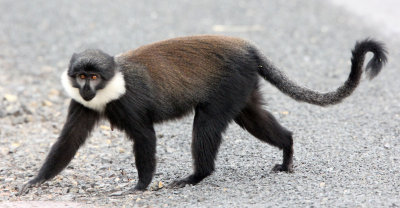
[
  {"x": 80, "y": 122},
  {"x": 262, "y": 125},
  {"x": 209, "y": 124},
  {"x": 144, "y": 148}
]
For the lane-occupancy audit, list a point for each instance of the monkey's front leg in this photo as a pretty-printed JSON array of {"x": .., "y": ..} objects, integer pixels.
[
  {"x": 79, "y": 124},
  {"x": 144, "y": 148}
]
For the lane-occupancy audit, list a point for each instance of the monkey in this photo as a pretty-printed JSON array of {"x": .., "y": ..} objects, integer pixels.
[{"x": 216, "y": 77}]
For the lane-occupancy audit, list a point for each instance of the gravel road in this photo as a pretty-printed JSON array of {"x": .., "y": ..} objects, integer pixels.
[{"x": 345, "y": 156}]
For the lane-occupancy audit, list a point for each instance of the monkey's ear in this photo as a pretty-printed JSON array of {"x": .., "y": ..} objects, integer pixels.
[
  {"x": 71, "y": 63},
  {"x": 73, "y": 58}
]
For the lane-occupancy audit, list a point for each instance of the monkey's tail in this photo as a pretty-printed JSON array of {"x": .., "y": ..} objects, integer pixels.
[{"x": 276, "y": 77}]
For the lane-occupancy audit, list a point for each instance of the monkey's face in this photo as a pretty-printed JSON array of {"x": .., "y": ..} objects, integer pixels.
[
  {"x": 88, "y": 84},
  {"x": 90, "y": 71},
  {"x": 93, "y": 79}
]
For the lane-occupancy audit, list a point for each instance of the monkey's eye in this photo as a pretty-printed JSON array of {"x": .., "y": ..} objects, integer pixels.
[
  {"x": 82, "y": 76},
  {"x": 94, "y": 77}
]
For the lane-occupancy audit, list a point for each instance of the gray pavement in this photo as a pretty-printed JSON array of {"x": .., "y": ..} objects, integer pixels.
[
  {"x": 345, "y": 156},
  {"x": 383, "y": 13}
]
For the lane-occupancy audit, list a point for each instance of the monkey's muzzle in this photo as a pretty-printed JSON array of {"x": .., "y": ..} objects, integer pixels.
[{"x": 87, "y": 95}]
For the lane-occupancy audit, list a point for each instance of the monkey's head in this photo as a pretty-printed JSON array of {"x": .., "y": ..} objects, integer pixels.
[
  {"x": 90, "y": 71},
  {"x": 93, "y": 79}
]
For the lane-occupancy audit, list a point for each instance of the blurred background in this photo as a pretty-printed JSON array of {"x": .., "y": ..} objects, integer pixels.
[{"x": 345, "y": 155}]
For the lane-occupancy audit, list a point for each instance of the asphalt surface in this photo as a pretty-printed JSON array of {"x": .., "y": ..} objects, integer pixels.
[{"x": 345, "y": 156}]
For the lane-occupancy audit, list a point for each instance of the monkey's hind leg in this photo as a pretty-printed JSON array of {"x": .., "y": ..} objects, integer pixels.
[
  {"x": 208, "y": 126},
  {"x": 262, "y": 124}
]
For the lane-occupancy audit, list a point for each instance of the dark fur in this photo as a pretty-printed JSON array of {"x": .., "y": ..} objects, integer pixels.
[
  {"x": 92, "y": 61},
  {"x": 217, "y": 77},
  {"x": 79, "y": 124}
]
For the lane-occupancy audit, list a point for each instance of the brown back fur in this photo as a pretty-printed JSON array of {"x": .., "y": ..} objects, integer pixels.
[{"x": 185, "y": 71}]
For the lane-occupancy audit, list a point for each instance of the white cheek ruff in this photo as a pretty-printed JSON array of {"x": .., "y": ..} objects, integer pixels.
[{"x": 114, "y": 89}]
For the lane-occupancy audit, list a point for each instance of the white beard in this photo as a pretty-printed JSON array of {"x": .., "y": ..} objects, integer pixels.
[{"x": 114, "y": 89}]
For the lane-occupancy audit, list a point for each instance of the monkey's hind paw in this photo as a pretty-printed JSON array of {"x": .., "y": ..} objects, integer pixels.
[
  {"x": 178, "y": 184},
  {"x": 191, "y": 180},
  {"x": 283, "y": 168}
]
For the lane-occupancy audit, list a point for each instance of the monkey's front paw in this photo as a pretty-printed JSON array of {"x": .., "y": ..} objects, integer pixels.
[
  {"x": 283, "y": 168},
  {"x": 140, "y": 187},
  {"x": 26, "y": 187}
]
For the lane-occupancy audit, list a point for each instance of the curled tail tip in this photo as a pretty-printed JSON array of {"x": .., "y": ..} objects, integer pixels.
[
  {"x": 374, "y": 66},
  {"x": 379, "y": 59}
]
